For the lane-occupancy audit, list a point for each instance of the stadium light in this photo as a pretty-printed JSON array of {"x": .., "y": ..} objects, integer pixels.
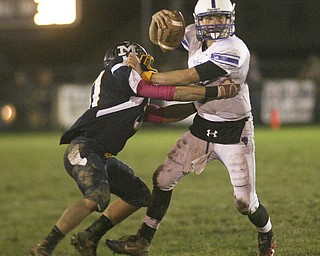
[
  {"x": 55, "y": 12},
  {"x": 8, "y": 113}
]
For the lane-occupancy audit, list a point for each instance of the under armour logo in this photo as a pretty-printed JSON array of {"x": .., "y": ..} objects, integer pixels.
[{"x": 214, "y": 134}]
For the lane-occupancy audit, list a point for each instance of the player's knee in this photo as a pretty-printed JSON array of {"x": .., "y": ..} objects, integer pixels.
[
  {"x": 242, "y": 205},
  {"x": 162, "y": 181},
  {"x": 100, "y": 195},
  {"x": 242, "y": 199},
  {"x": 246, "y": 204}
]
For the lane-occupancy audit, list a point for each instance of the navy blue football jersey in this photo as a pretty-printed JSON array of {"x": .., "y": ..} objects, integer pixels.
[{"x": 115, "y": 110}]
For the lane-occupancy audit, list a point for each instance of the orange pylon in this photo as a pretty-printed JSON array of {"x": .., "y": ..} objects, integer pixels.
[{"x": 275, "y": 119}]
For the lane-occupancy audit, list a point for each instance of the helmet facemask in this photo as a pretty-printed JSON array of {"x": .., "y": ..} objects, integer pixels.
[
  {"x": 214, "y": 31},
  {"x": 205, "y": 8}
]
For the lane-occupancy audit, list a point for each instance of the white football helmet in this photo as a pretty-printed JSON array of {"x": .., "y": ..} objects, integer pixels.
[{"x": 205, "y": 8}]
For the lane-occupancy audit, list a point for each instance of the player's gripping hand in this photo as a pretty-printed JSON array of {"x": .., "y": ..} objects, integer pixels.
[
  {"x": 226, "y": 89},
  {"x": 159, "y": 20},
  {"x": 134, "y": 63},
  {"x": 162, "y": 18}
]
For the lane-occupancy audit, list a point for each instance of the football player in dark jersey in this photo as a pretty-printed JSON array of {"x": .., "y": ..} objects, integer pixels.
[{"x": 119, "y": 104}]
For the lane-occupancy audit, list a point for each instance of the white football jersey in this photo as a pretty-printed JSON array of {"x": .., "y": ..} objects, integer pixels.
[{"x": 232, "y": 55}]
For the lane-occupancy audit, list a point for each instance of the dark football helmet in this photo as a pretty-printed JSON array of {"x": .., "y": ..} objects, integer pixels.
[{"x": 124, "y": 48}]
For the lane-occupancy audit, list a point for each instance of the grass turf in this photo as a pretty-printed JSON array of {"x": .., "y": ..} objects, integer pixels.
[{"x": 202, "y": 220}]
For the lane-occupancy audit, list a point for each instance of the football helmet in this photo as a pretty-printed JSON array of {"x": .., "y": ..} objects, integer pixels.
[
  {"x": 123, "y": 49},
  {"x": 206, "y": 8}
]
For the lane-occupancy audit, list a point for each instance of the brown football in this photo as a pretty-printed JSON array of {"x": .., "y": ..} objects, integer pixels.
[{"x": 170, "y": 38}]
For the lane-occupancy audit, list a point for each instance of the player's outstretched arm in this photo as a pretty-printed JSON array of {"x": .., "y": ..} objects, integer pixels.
[
  {"x": 199, "y": 73},
  {"x": 227, "y": 89},
  {"x": 178, "y": 77}
]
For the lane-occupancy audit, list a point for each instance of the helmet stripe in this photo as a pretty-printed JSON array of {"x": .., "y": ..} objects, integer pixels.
[{"x": 213, "y": 3}]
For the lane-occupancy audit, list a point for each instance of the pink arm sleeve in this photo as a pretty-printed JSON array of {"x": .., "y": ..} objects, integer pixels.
[{"x": 161, "y": 92}]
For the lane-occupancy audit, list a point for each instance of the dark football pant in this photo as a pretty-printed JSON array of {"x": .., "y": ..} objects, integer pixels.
[{"x": 98, "y": 176}]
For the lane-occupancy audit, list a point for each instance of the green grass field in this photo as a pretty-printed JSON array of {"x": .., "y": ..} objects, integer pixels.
[{"x": 202, "y": 220}]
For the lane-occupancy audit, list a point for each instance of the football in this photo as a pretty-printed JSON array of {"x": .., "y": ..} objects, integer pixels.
[{"x": 170, "y": 38}]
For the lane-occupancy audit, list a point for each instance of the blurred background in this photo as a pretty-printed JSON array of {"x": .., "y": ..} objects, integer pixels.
[{"x": 52, "y": 50}]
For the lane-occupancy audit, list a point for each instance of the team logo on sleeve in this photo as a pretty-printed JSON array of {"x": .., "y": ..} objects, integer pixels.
[{"x": 226, "y": 59}]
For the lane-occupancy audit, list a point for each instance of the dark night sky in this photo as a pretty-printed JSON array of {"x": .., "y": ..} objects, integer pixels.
[{"x": 280, "y": 32}]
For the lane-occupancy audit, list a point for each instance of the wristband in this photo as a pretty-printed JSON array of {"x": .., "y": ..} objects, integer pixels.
[
  {"x": 146, "y": 75},
  {"x": 211, "y": 92}
]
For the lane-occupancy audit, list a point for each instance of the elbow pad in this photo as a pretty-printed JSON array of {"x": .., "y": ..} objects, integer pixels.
[{"x": 209, "y": 71}]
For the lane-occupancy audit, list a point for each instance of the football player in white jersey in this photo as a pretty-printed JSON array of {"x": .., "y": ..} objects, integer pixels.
[{"x": 221, "y": 130}]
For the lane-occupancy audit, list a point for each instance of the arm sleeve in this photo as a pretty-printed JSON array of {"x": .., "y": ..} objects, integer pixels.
[
  {"x": 209, "y": 71},
  {"x": 150, "y": 90}
]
